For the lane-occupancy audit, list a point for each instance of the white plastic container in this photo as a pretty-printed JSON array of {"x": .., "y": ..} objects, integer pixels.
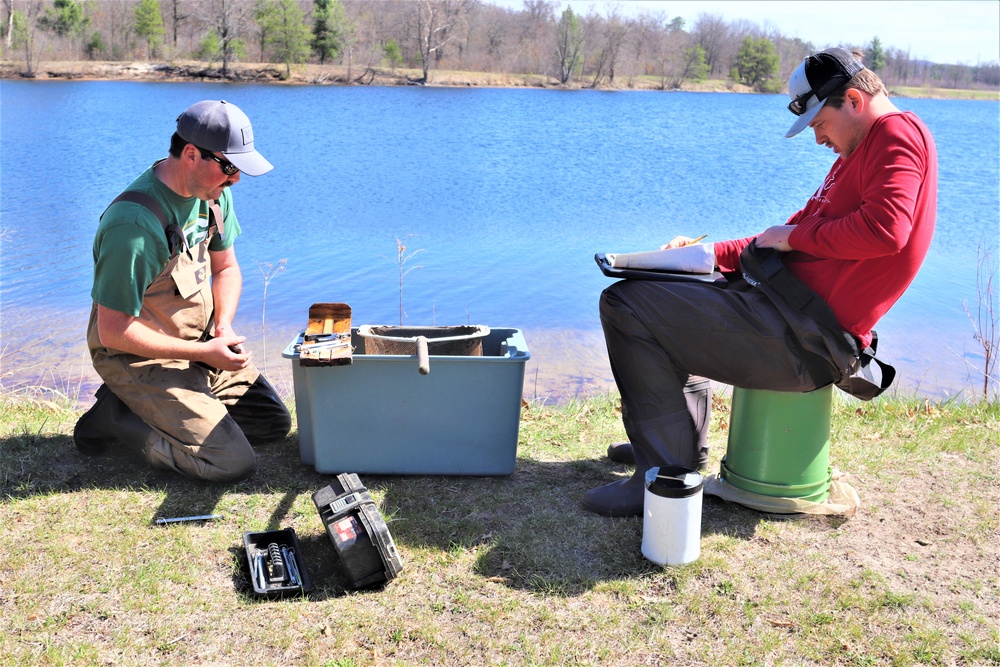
[{"x": 671, "y": 518}]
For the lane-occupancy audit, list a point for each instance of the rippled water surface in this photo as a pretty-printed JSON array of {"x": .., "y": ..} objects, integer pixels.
[{"x": 501, "y": 196}]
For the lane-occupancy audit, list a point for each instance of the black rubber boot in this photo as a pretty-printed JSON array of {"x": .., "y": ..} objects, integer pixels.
[
  {"x": 110, "y": 421},
  {"x": 622, "y": 498},
  {"x": 621, "y": 452},
  {"x": 666, "y": 440}
]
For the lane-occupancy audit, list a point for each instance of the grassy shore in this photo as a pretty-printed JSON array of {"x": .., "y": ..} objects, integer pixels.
[
  {"x": 509, "y": 571},
  {"x": 314, "y": 74}
]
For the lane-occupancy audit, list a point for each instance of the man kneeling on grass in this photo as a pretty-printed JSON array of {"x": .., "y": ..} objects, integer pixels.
[{"x": 179, "y": 389}]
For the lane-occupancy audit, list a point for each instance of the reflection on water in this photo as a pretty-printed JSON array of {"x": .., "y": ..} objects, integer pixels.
[{"x": 564, "y": 364}]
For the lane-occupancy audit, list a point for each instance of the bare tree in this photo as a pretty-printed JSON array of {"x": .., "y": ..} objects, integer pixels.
[
  {"x": 613, "y": 31},
  {"x": 374, "y": 29},
  {"x": 536, "y": 37},
  {"x": 22, "y": 27},
  {"x": 497, "y": 44},
  {"x": 177, "y": 17},
  {"x": 229, "y": 18},
  {"x": 435, "y": 21},
  {"x": 120, "y": 31},
  {"x": 711, "y": 33},
  {"x": 791, "y": 53},
  {"x": 986, "y": 321},
  {"x": 9, "y": 6}
]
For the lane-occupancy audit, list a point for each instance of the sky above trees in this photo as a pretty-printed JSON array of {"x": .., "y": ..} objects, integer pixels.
[{"x": 945, "y": 32}]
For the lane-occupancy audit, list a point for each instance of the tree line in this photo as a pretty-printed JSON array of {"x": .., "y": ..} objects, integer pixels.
[{"x": 546, "y": 38}]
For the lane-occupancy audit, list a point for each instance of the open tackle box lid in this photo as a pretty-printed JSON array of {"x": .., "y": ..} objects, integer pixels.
[{"x": 367, "y": 554}]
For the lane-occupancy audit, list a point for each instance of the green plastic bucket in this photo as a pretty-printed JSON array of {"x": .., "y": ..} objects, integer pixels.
[{"x": 779, "y": 443}]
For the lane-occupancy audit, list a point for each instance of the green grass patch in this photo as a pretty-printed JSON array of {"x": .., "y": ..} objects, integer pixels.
[{"x": 509, "y": 570}]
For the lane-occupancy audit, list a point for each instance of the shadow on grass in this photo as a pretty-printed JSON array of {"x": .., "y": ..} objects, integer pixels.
[
  {"x": 526, "y": 531},
  {"x": 529, "y": 530}
]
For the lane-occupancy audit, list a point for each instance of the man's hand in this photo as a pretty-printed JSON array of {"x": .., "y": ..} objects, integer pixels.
[
  {"x": 224, "y": 330},
  {"x": 123, "y": 332},
  {"x": 776, "y": 237},
  {"x": 225, "y": 352},
  {"x": 679, "y": 242}
]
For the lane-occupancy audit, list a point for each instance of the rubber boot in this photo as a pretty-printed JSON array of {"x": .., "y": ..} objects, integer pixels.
[
  {"x": 667, "y": 440},
  {"x": 622, "y": 498},
  {"x": 109, "y": 421},
  {"x": 621, "y": 452}
]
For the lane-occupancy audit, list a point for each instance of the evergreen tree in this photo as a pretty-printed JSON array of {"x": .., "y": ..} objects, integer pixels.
[
  {"x": 149, "y": 24},
  {"x": 287, "y": 33},
  {"x": 876, "y": 55},
  {"x": 694, "y": 66},
  {"x": 65, "y": 18},
  {"x": 265, "y": 15},
  {"x": 209, "y": 49},
  {"x": 95, "y": 46},
  {"x": 392, "y": 53},
  {"x": 756, "y": 65},
  {"x": 569, "y": 44},
  {"x": 329, "y": 27}
]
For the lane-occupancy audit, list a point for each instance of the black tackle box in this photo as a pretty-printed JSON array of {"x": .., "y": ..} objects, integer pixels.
[
  {"x": 275, "y": 562},
  {"x": 367, "y": 554}
]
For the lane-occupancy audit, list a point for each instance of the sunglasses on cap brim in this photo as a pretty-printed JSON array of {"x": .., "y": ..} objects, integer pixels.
[{"x": 798, "y": 105}]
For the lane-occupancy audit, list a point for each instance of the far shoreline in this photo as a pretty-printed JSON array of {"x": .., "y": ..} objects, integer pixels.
[{"x": 340, "y": 75}]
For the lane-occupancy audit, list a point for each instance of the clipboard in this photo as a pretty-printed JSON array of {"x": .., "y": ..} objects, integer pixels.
[{"x": 652, "y": 274}]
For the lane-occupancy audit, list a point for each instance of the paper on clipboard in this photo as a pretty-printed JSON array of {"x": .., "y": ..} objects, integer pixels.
[
  {"x": 653, "y": 274},
  {"x": 694, "y": 258}
]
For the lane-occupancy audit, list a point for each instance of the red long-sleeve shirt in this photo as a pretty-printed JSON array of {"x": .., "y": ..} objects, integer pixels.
[{"x": 861, "y": 238}]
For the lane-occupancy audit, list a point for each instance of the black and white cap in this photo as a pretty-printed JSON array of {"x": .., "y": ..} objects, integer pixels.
[{"x": 814, "y": 80}]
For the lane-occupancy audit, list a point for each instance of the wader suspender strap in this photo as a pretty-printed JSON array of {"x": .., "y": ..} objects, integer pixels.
[
  {"x": 176, "y": 240},
  {"x": 215, "y": 218},
  {"x": 765, "y": 265}
]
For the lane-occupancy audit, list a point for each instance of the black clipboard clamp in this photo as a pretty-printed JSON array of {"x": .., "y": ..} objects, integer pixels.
[{"x": 652, "y": 274}]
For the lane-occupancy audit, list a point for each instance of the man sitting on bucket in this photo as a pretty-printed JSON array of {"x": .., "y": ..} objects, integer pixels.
[
  {"x": 179, "y": 389},
  {"x": 857, "y": 243}
]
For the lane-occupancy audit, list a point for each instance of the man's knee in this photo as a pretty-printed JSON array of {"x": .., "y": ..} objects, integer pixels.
[
  {"x": 261, "y": 414},
  {"x": 268, "y": 424},
  {"x": 236, "y": 470},
  {"x": 272, "y": 429},
  {"x": 613, "y": 305},
  {"x": 207, "y": 463}
]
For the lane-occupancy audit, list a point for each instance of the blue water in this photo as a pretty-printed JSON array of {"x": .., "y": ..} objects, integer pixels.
[{"x": 503, "y": 195}]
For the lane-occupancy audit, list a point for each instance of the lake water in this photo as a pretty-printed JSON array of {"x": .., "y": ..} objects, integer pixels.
[{"x": 506, "y": 194}]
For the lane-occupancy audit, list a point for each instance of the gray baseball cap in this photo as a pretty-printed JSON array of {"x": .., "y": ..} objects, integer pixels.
[{"x": 222, "y": 127}]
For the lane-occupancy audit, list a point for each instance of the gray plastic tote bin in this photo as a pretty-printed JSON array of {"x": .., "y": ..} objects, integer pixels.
[{"x": 380, "y": 415}]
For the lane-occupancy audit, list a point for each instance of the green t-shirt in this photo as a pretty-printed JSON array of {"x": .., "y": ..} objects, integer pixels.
[{"x": 130, "y": 248}]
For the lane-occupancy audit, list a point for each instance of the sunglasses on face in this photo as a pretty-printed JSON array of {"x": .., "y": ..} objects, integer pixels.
[{"x": 228, "y": 168}]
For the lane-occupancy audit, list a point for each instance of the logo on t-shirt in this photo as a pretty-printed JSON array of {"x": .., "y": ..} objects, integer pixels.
[
  {"x": 196, "y": 230},
  {"x": 828, "y": 184}
]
